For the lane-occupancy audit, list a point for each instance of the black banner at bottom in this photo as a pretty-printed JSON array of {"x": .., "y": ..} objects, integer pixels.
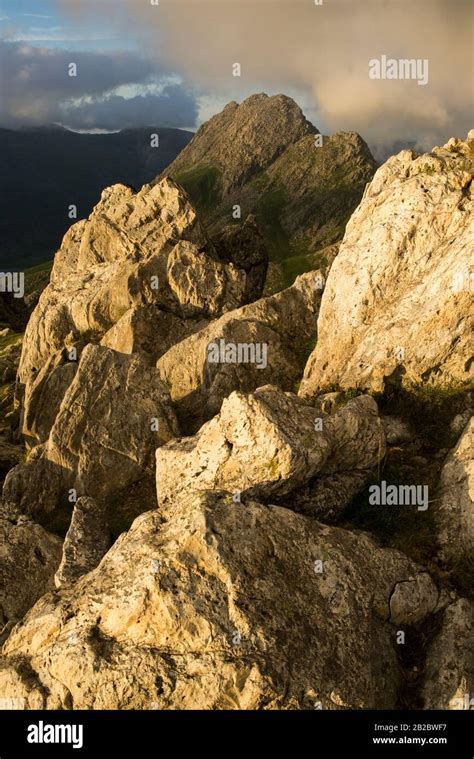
[{"x": 367, "y": 733}]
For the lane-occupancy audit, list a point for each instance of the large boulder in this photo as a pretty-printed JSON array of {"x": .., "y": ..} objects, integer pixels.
[
  {"x": 150, "y": 331},
  {"x": 146, "y": 330},
  {"x": 135, "y": 249},
  {"x": 454, "y": 502},
  {"x": 397, "y": 302},
  {"x": 29, "y": 557},
  {"x": 266, "y": 341},
  {"x": 112, "y": 417},
  {"x": 268, "y": 444},
  {"x": 224, "y": 607}
]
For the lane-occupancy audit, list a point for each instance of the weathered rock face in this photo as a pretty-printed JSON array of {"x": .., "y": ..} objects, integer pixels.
[
  {"x": 113, "y": 415},
  {"x": 222, "y": 607},
  {"x": 269, "y": 444},
  {"x": 203, "y": 286},
  {"x": 132, "y": 225},
  {"x": 43, "y": 396},
  {"x": 29, "y": 557},
  {"x": 449, "y": 666},
  {"x": 149, "y": 331},
  {"x": 134, "y": 250},
  {"x": 320, "y": 187},
  {"x": 398, "y": 299},
  {"x": 454, "y": 513},
  {"x": 263, "y": 342},
  {"x": 86, "y": 542}
]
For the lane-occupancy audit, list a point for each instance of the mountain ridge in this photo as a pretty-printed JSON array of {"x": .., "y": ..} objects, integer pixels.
[{"x": 302, "y": 186}]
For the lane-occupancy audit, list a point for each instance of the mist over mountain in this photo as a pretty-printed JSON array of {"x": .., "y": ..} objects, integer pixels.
[{"x": 44, "y": 170}]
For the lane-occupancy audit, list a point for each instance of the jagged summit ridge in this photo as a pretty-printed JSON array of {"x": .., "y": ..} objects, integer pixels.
[
  {"x": 263, "y": 157},
  {"x": 245, "y": 138}
]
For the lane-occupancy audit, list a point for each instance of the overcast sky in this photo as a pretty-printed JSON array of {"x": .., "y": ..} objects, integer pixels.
[{"x": 171, "y": 65}]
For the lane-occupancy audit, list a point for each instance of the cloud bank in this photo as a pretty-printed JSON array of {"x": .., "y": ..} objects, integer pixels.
[
  {"x": 37, "y": 89},
  {"x": 322, "y": 52},
  {"x": 318, "y": 54}
]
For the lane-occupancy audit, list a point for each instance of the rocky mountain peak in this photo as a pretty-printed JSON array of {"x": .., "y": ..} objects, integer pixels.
[
  {"x": 245, "y": 138},
  {"x": 263, "y": 157}
]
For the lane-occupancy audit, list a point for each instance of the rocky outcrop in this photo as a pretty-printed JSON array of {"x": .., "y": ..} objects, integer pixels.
[
  {"x": 266, "y": 341},
  {"x": 29, "y": 557},
  {"x": 397, "y": 302},
  {"x": 136, "y": 249},
  {"x": 112, "y": 417},
  {"x": 86, "y": 542},
  {"x": 223, "y": 607},
  {"x": 269, "y": 444},
  {"x": 149, "y": 331},
  {"x": 43, "y": 397},
  {"x": 249, "y": 579},
  {"x": 454, "y": 512},
  {"x": 449, "y": 667}
]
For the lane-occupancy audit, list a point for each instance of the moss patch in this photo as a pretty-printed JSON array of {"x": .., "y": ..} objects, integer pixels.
[{"x": 202, "y": 183}]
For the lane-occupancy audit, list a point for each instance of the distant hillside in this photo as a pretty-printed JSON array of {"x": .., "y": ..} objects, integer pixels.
[
  {"x": 267, "y": 157},
  {"x": 44, "y": 170}
]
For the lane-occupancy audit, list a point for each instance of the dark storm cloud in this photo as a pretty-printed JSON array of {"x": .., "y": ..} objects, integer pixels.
[
  {"x": 36, "y": 89},
  {"x": 173, "y": 107}
]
